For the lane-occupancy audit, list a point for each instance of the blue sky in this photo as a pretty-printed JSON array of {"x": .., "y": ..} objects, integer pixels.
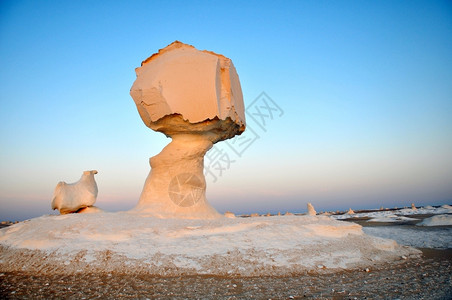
[{"x": 365, "y": 88}]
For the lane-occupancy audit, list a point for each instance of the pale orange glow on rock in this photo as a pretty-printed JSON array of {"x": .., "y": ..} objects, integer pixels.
[{"x": 195, "y": 98}]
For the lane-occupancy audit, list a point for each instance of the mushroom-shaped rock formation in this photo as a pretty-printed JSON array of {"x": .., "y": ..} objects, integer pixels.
[{"x": 195, "y": 98}]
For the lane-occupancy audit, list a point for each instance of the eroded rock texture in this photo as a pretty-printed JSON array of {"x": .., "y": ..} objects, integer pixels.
[{"x": 195, "y": 98}]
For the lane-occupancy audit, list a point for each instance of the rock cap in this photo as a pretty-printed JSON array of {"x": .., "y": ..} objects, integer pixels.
[{"x": 184, "y": 90}]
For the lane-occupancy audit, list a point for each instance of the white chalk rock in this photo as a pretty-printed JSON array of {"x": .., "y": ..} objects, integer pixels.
[
  {"x": 90, "y": 210},
  {"x": 350, "y": 212},
  {"x": 229, "y": 214},
  {"x": 70, "y": 197},
  {"x": 181, "y": 86},
  {"x": 413, "y": 207},
  {"x": 311, "y": 210},
  {"x": 195, "y": 98}
]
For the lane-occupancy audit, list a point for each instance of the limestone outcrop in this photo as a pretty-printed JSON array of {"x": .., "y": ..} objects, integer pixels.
[
  {"x": 71, "y": 197},
  {"x": 311, "y": 210},
  {"x": 194, "y": 97}
]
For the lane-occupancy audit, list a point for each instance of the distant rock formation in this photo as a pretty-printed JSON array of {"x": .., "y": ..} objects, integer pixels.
[
  {"x": 413, "y": 207},
  {"x": 311, "y": 210},
  {"x": 71, "y": 197},
  {"x": 194, "y": 97},
  {"x": 350, "y": 212},
  {"x": 229, "y": 214}
]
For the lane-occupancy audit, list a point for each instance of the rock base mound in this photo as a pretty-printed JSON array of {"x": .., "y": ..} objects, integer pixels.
[{"x": 128, "y": 242}]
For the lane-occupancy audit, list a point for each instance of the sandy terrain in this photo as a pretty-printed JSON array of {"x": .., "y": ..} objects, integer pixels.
[{"x": 428, "y": 277}]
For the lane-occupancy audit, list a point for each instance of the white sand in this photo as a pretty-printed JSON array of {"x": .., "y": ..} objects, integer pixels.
[
  {"x": 396, "y": 215},
  {"x": 439, "y": 220}
]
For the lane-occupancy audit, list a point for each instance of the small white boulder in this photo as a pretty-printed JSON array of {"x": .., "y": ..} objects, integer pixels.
[{"x": 229, "y": 214}]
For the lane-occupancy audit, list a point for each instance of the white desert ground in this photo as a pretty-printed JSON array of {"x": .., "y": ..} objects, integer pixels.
[
  {"x": 276, "y": 245},
  {"x": 240, "y": 248}
]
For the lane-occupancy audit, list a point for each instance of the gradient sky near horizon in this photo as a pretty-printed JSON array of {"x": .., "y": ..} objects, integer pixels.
[{"x": 365, "y": 90}]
